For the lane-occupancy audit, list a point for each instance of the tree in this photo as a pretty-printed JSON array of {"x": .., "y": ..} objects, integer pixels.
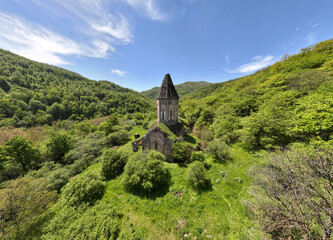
[
  {"x": 293, "y": 193},
  {"x": 21, "y": 202},
  {"x": 145, "y": 172},
  {"x": 182, "y": 152},
  {"x": 196, "y": 175},
  {"x": 18, "y": 151},
  {"x": 82, "y": 189},
  {"x": 113, "y": 163},
  {"x": 58, "y": 145},
  {"x": 219, "y": 149}
]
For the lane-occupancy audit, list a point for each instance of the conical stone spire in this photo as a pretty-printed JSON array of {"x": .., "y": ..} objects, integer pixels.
[{"x": 167, "y": 89}]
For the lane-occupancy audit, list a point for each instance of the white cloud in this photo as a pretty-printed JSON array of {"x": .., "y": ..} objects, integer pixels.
[
  {"x": 118, "y": 72},
  {"x": 149, "y": 8},
  {"x": 258, "y": 62},
  {"x": 92, "y": 23},
  {"x": 34, "y": 41},
  {"x": 316, "y": 25}
]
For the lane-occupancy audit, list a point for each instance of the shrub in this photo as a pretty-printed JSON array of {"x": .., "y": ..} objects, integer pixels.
[
  {"x": 99, "y": 222},
  {"x": 219, "y": 149},
  {"x": 196, "y": 175},
  {"x": 82, "y": 189},
  {"x": 197, "y": 156},
  {"x": 113, "y": 163},
  {"x": 58, "y": 145},
  {"x": 182, "y": 152},
  {"x": 145, "y": 172},
  {"x": 117, "y": 138}
]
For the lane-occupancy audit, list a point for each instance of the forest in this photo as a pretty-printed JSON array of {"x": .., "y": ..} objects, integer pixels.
[{"x": 256, "y": 162}]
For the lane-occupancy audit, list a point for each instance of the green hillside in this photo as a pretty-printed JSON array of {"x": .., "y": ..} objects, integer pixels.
[
  {"x": 182, "y": 89},
  {"x": 33, "y": 93},
  {"x": 255, "y": 162},
  {"x": 290, "y": 101}
]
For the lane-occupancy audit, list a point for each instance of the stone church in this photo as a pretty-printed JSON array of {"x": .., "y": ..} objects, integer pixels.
[{"x": 167, "y": 113}]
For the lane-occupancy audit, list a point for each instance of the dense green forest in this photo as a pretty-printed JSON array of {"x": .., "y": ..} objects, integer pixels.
[
  {"x": 182, "y": 89},
  {"x": 33, "y": 93},
  {"x": 256, "y": 161}
]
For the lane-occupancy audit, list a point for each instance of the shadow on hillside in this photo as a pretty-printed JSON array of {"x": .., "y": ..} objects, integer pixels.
[{"x": 157, "y": 193}]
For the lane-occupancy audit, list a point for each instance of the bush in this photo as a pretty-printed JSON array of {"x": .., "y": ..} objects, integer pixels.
[
  {"x": 58, "y": 145},
  {"x": 100, "y": 222},
  {"x": 182, "y": 152},
  {"x": 113, "y": 163},
  {"x": 82, "y": 189},
  {"x": 219, "y": 149},
  {"x": 145, "y": 172},
  {"x": 197, "y": 156},
  {"x": 196, "y": 175},
  {"x": 117, "y": 138}
]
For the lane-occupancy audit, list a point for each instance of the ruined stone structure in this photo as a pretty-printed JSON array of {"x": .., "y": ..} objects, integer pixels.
[
  {"x": 167, "y": 113},
  {"x": 167, "y": 102},
  {"x": 155, "y": 139}
]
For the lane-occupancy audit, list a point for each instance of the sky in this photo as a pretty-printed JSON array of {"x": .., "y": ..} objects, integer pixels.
[{"x": 134, "y": 43}]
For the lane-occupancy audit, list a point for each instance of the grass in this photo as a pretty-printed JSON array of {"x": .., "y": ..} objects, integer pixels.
[{"x": 183, "y": 212}]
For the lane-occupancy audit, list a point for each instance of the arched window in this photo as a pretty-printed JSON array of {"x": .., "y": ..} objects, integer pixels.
[
  {"x": 170, "y": 115},
  {"x": 162, "y": 115},
  {"x": 156, "y": 146}
]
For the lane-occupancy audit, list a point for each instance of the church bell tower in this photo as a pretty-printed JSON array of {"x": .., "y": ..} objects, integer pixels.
[{"x": 167, "y": 102}]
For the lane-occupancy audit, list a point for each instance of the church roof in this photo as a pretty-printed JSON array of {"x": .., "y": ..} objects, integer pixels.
[{"x": 167, "y": 89}]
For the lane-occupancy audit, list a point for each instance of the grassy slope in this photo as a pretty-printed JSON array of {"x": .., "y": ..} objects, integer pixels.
[
  {"x": 182, "y": 89},
  {"x": 219, "y": 213}
]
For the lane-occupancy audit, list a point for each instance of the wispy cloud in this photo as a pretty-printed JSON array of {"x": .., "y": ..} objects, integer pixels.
[
  {"x": 227, "y": 58},
  {"x": 257, "y": 63},
  {"x": 118, "y": 72},
  {"x": 316, "y": 25},
  {"x": 35, "y": 42},
  {"x": 311, "y": 38},
  {"x": 103, "y": 28},
  {"x": 297, "y": 29},
  {"x": 149, "y": 8}
]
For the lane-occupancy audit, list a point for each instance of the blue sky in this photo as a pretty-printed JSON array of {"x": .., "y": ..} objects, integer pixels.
[{"x": 133, "y": 43}]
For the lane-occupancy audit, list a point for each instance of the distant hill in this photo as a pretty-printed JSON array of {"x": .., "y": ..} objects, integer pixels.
[
  {"x": 287, "y": 102},
  {"x": 182, "y": 89},
  {"x": 33, "y": 93}
]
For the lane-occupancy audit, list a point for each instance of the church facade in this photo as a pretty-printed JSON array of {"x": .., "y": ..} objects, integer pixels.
[{"x": 167, "y": 113}]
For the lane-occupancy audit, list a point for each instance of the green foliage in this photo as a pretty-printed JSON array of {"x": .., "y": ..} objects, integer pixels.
[
  {"x": 270, "y": 108},
  {"x": 219, "y": 149},
  {"x": 85, "y": 127},
  {"x": 19, "y": 154},
  {"x": 197, "y": 156},
  {"x": 99, "y": 222},
  {"x": 81, "y": 189},
  {"x": 37, "y": 93},
  {"x": 113, "y": 163},
  {"x": 58, "y": 145},
  {"x": 196, "y": 175},
  {"x": 182, "y": 152},
  {"x": 4, "y": 85},
  {"x": 145, "y": 172},
  {"x": 117, "y": 138},
  {"x": 21, "y": 202}
]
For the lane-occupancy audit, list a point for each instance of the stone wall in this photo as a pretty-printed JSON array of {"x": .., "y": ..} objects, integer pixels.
[
  {"x": 167, "y": 111},
  {"x": 155, "y": 139}
]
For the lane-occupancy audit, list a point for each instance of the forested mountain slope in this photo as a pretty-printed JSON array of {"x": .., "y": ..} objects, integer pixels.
[
  {"x": 182, "y": 89},
  {"x": 33, "y": 93},
  {"x": 289, "y": 101}
]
